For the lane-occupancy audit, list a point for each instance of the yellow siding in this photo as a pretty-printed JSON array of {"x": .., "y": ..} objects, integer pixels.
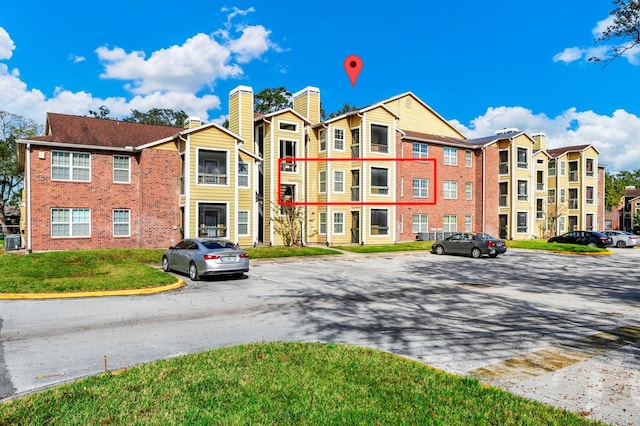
[
  {"x": 416, "y": 117},
  {"x": 167, "y": 146},
  {"x": 234, "y": 112}
]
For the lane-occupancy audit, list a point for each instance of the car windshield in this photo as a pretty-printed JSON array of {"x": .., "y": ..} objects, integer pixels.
[{"x": 219, "y": 244}]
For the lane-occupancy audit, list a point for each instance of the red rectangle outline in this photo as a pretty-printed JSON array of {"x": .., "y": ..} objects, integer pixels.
[{"x": 359, "y": 203}]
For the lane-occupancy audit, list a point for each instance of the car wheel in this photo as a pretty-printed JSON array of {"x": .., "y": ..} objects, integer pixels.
[
  {"x": 621, "y": 244},
  {"x": 193, "y": 272},
  {"x": 165, "y": 264},
  {"x": 439, "y": 250},
  {"x": 593, "y": 245},
  {"x": 476, "y": 253}
]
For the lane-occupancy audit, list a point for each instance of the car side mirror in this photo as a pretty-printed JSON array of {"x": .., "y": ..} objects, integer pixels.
[{"x": 172, "y": 247}]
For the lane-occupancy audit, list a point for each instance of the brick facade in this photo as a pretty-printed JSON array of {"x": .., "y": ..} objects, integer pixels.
[{"x": 151, "y": 196}]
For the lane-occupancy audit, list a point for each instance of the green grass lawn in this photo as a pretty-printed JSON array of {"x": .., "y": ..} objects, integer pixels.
[{"x": 281, "y": 384}]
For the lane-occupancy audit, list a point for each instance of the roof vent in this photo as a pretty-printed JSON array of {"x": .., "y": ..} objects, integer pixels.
[{"x": 506, "y": 130}]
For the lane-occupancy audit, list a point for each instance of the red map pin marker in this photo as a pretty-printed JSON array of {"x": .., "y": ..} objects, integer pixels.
[{"x": 353, "y": 66}]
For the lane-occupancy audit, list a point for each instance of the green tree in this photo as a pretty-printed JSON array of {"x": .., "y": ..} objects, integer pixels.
[
  {"x": 103, "y": 112},
  {"x": 625, "y": 30},
  {"x": 159, "y": 116},
  {"x": 12, "y": 127},
  {"x": 271, "y": 100},
  {"x": 615, "y": 185},
  {"x": 346, "y": 107}
]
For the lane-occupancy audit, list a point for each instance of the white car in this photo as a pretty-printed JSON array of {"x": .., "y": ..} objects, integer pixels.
[{"x": 622, "y": 238}]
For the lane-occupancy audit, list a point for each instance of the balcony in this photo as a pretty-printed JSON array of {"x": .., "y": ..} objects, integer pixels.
[
  {"x": 212, "y": 231},
  {"x": 380, "y": 190},
  {"x": 376, "y": 147},
  {"x": 212, "y": 179},
  {"x": 573, "y": 203},
  {"x": 573, "y": 176},
  {"x": 289, "y": 166}
]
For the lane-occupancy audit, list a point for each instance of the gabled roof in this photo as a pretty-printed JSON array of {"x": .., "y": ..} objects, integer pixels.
[
  {"x": 486, "y": 140},
  {"x": 257, "y": 116},
  {"x": 63, "y": 129},
  {"x": 438, "y": 139},
  {"x": 557, "y": 152}
]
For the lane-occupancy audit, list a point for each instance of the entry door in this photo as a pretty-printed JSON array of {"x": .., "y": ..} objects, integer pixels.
[{"x": 504, "y": 226}]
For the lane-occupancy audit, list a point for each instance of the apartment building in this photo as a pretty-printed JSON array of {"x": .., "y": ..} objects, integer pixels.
[{"x": 388, "y": 172}]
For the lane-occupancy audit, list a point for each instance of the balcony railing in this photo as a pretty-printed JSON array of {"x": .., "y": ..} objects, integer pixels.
[
  {"x": 540, "y": 186},
  {"x": 379, "y": 230},
  {"x": 212, "y": 231},
  {"x": 573, "y": 176},
  {"x": 355, "y": 193},
  {"x": 523, "y": 197},
  {"x": 573, "y": 203},
  {"x": 288, "y": 166},
  {"x": 212, "y": 179},
  {"x": 378, "y": 147},
  {"x": 380, "y": 190}
]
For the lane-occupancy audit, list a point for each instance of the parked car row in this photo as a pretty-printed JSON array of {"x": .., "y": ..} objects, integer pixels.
[{"x": 603, "y": 239}]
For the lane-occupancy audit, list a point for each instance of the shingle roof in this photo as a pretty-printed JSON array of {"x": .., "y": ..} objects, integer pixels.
[
  {"x": 556, "y": 152},
  {"x": 632, "y": 193},
  {"x": 73, "y": 129},
  {"x": 444, "y": 140}
]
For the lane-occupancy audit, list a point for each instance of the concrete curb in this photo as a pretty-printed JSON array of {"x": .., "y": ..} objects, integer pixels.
[{"x": 107, "y": 293}]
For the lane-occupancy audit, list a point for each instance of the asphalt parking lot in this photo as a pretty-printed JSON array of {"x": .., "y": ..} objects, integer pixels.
[{"x": 562, "y": 329}]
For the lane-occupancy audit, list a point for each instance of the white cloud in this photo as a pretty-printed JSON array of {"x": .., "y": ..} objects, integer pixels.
[
  {"x": 602, "y": 25},
  {"x": 170, "y": 77},
  {"x": 6, "y": 45},
  {"x": 569, "y": 54},
  {"x": 617, "y": 136}
]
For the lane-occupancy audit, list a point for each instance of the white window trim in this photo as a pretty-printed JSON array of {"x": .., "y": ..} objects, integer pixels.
[
  {"x": 285, "y": 122},
  {"x": 444, "y": 224},
  {"x": 526, "y": 150},
  {"x": 371, "y": 186},
  {"x": 468, "y": 223},
  {"x": 70, "y": 223},
  {"x": 114, "y": 223},
  {"x": 128, "y": 181},
  {"x": 389, "y": 140},
  {"x": 414, "y": 223},
  {"x": 333, "y": 223},
  {"x": 413, "y": 188},
  {"x": 526, "y": 222},
  {"x": 446, "y": 157},
  {"x": 371, "y": 224},
  {"x": 248, "y": 185},
  {"x": 295, "y": 154},
  {"x": 248, "y": 223},
  {"x": 71, "y": 154},
  {"x": 420, "y": 154},
  {"x": 446, "y": 194},
  {"x": 344, "y": 139},
  {"x": 321, "y": 222},
  {"x": 320, "y": 190},
  {"x": 335, "y": 173},
  {"x": 227, "y": 156},
  {"x": 468, "y": 191},
  {"x": 468, "y": 158},
  {"x": 320, "y": 138}
]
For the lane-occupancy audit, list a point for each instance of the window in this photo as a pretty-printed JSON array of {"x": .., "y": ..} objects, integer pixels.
[
  {"x": 503, "y": 167},
  {"x": 590, "y": 191},
  {"x": 589, "y": 167},
  {"x": 504, "y": 194},
  {"x": 420, "y": 150},
  {"x": 322, "y": 140},
  {"x": 288, "y": 152},
  {"x": 355, "y": 143},
  {"x": 540, "y": 180},
  {"x": 551, "y": 196},
  {"x": 563, "y": 168},
  {"x": 355, "y": 185},
  {"x": 287, "y": 195},
  {"x": 539, "y": 208},
  {"x": 73, "y": 166},
  {"x": 338, "y": 139},
  {"x": 121, "y": 169},
  {"x": 322, "y": 182},
  {"x": 243, "y": 175},
  {"x": 573, "y": 198},
  {"x": 338, "y": 181},
  {"x": 468, "y": 158},
  {"x": 379, "y": 138},
  {"x": 122, "y": 223},
  {"x": 243, "y": 222},
  {"x": 552, "y": 168},
  {"x": 562, "y": 224},
  {"x": 450, "y": 223},
  {"x": 450, "y": 190},
  {"x": 288, "y": 126},
  {"x": 212, "y": 167},
  {"x": 420, "y": 223},
  {"x": 573, "y": 171},
  {"x": 322, "y": 223},
  {"x": 379, "y": 181},
  {"x": 379, "y": 222},
  {"x": 70, "y": 222},
  {"x": 563, "y": 195},
  {"x": 338, "y": 222},
  {"x": 450, "y": 156},
  {"x": 468, "y": 223},
  {"x": 589, "y": 221},
  {"x": 421, "y": 188},
  {"x": 522, "y": 190},
  {"x": 523, "y": 162},
  {"x": 521, "y": 222},
  {"x": 468, "y": 191}
]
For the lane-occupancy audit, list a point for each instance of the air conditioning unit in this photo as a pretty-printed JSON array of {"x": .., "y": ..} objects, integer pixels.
[{"x": 12, "y": 242}]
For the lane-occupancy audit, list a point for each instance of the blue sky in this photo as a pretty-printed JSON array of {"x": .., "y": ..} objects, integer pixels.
[{"x": 482, "y": 65}]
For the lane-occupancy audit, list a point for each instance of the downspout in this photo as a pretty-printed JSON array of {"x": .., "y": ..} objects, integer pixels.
[
  {"x": 273, "y": 165},
  {"x": 28, "y": 185},
  {"x": 484, "y": 189}
]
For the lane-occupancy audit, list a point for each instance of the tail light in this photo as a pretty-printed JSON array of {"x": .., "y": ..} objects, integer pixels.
[
  {"x": 244, "y": 256},
  {"x": 211, "y": 257},
  {"x": 491, "y": 243}
]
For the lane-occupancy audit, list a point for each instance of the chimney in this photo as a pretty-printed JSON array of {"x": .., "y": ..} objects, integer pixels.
[
  {"x": 192, "y": 122},
  {"x": 241, "y": 113},
  {"x": 540, "y": 139},
  {"x": 307, "y": 103}
]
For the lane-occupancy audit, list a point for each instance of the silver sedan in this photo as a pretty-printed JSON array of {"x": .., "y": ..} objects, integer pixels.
[
  {"x": 622, "y": 238},
  {"x": 206, "y": 257}
]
